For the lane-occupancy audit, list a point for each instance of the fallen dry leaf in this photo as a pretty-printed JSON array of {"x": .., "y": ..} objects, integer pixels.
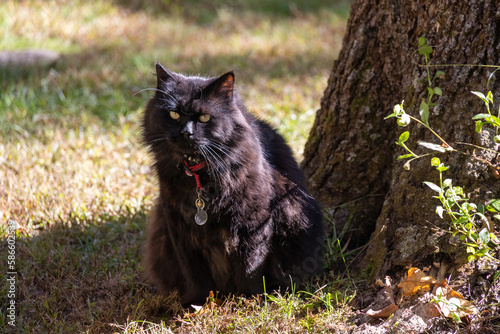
[
  {"x": 451, "y": 302},
  {"x": 416, "y": 281},
  {"x": 429, "y": 310},
  {"x": 383, "y": 313},
  {"x": 447, "y": 301},
  {"x": 199, "y": 309},
  {"x": 213, "y": 300}
]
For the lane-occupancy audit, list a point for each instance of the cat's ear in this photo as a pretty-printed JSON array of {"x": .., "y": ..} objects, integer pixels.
[
  {"x": 226, "y": 84},
  {"x": 162, "y": 74},
  {"x": 222, "y": 86}
]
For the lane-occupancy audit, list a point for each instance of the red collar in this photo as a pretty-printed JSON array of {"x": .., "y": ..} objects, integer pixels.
[{"x": 190, "y": 171}]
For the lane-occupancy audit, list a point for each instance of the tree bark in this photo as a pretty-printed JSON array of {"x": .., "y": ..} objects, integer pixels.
[{"x": 350, "y": 157}]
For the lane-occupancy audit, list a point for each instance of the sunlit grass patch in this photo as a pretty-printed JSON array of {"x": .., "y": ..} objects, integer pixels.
[
  {"x": 296, "y": 312},
  {"x": 82, "y": 175}
]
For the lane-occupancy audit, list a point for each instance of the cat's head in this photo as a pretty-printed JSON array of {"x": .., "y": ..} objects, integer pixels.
[{"x": 192, "y": 116}]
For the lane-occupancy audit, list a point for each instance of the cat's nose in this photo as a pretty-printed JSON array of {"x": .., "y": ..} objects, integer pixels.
[{"x": 187, "y": 131}]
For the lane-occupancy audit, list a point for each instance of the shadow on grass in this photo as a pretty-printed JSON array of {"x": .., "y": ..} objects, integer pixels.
[
  {"x": 12, "y": 75},
  {"x": 204, "y": 12},
  {"x": 248, "y": 68},
  {"x": 86, "y": 277},
  {"x": 59, "y": 96}
]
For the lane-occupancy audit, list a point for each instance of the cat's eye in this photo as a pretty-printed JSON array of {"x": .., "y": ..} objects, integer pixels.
[
  {"x": 204, "y": 118},
  {"x": 174, "y": 115}
]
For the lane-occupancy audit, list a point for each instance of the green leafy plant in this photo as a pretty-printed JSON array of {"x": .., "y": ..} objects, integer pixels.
[
  {"x": 403, "y": 119},
  {"x": 488, "y": 118},
  {"x": 426, "y": 51},
  {"x": 467, "y": 219}
]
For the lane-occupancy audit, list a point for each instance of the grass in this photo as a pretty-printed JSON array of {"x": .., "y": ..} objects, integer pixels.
[{"x": 77, "y": 182}]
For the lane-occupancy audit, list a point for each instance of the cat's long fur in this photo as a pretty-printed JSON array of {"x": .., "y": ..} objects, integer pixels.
[{"x": 261, "y": 221}]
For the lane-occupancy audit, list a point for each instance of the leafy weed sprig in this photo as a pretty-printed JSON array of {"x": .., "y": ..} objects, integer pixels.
[{"x": 466, "y": 219}]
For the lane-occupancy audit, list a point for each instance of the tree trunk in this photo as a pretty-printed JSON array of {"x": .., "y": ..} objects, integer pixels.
[{"x": 350, "y": 157}]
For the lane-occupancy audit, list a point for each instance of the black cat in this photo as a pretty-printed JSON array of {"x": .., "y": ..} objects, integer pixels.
[{"x": 233, "y": 206}]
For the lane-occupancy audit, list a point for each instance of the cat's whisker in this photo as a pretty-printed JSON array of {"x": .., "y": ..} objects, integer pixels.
[
  {"x": 222, "y": 150},
  {"x": 224, "y": 166},
  {"x": 146, "y": 89},
  {"x": 233, "y": 156},
  {"x": 166, "y": 147},
  {"x": 217, "y": 157},
  {"x": 214, "y": 164},
  {"x": 168, "y": 100},
  {"x": 159, "y": 140},
  {"x": 223, "y": 162},
  {"x": 222, "y": 147},
  {"x": 226, "y": 150},
  {"x": 210, "y": 165},
  {"x": 159, "y": 144}
]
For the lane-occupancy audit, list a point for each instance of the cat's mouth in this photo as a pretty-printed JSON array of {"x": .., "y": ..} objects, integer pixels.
[
  {"x": 194, "y": 159},
  {"x": 187, "y": 148}
]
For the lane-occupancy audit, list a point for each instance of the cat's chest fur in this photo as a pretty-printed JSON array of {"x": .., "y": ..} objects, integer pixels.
[
  {"x": 242, "y": 199},
  {"x": 216, "y": 242}
]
